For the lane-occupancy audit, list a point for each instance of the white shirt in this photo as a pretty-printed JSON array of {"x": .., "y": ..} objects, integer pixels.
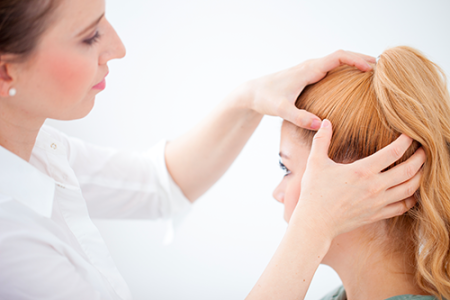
[{"x": 49, "y": 247}]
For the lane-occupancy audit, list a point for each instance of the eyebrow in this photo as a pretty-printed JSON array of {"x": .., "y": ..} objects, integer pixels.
[
  {"x": 281, "y": 154},
  {"x": 95, "y": 23}
]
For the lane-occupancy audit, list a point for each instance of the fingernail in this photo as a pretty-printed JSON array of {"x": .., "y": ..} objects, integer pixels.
[
  {"x": 325, "y": 123},
  {"x": 315, "y": 124}
]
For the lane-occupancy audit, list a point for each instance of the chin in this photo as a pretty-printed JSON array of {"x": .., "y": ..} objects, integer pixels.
[
  {"x": 88, "y": 105},
  {"x": 76, "y": 114}
]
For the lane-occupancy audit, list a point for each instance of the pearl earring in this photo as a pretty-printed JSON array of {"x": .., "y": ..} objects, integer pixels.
[{"x": 12, "y": 92}]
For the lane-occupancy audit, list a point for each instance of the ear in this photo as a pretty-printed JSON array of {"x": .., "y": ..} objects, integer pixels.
[{"x": 6, "y": 80}]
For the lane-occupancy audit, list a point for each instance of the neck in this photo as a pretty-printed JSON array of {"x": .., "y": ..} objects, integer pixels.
[
  {"x": 18, "y": 130},
  {"x": 367, "y": 271}
]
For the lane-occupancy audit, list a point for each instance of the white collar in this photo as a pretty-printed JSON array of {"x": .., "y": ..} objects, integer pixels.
[{"x": 26, "y": 184}]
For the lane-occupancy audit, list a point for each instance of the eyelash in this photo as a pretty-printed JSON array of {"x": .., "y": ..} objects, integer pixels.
[
  {"x": 93, "y": 39},
  {"x": 283, "y": 167}
]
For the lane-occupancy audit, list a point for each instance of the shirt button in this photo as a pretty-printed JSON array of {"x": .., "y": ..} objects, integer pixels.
[{"x": 53, "y": 146}]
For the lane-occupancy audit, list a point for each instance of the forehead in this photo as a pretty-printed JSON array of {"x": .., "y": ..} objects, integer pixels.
[
  {"x": 294, "y": 134},
  {"x": 292, "y": 140}
]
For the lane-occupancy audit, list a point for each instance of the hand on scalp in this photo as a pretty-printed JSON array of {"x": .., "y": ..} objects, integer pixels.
[
  {"x": 343, "y": 197},
  {"x": 276, "y": 94}
]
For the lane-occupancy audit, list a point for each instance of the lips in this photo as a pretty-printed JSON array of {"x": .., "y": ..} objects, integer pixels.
[{"x": 102, "y": 84}]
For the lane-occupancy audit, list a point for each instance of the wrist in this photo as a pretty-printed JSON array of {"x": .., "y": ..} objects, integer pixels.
[
  {"x": 242, "y": 97},
  {"x": 306, "y": 238},
  {"x": 315, "y": 224}
]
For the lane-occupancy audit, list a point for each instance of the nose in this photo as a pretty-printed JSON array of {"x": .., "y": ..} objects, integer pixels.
[
  {"x": 278, "y": 193},
  {"x": 114, "y": 48}
]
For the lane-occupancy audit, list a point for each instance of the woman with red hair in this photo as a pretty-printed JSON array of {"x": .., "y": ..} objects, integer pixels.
[
  {"x": 405, "y": 93},
  {"x": 54, "y": 58}
]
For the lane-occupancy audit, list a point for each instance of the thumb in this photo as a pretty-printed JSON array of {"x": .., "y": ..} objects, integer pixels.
[{"x": 321, "y": 141}]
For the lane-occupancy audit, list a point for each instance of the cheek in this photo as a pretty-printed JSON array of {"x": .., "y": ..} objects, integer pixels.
[
  {"x": 291, "y": 197},
  {"x": 71, "y": 74},
  {"x": 64, "y": 77}
]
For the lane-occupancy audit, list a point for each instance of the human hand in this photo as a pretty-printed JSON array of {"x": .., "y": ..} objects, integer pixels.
[
  {"x": 337, "y": 198},
  {"x": 275, "y": 94}
]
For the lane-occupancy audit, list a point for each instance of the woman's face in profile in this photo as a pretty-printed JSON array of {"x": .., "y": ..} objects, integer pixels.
[
  {"x": 294, "y": 152},
  {"x": 66, "y": 71}
]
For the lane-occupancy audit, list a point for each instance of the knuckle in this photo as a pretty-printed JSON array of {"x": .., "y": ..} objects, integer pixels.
[
  {"x": 300, "y": 119},
  {"x": 318, "y": 136},
  {"x": 362, "y": 173},
  {"x": 306, "y": 63},
  {"x": 307, "y": 66},
  {"x": 409, "y": 171},
  {"x": 339, "y": 52},
  {"x": 410, "y": 190},
  {"x": 281, "y": 110},
  {"x": 374, "y": 189},
  {"x": 396, "y": 152}
]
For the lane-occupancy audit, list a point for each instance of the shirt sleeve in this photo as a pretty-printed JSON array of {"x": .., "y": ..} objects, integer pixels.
[
  {"x": 33, "y": 270},
  {"x": 336, "y": 294},
  {"x": 124, "y": 184}
]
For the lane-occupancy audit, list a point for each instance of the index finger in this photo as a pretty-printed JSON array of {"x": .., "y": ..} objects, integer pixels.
[
  {"x": 388, "y": 155},
  {"x": 342, "y": 57},
  {"x": 367, "y": 58},
  {"x": 298, "y": 117}
]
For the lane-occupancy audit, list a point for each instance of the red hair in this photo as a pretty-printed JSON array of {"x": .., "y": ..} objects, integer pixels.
[{"x": 405, "y": 93}]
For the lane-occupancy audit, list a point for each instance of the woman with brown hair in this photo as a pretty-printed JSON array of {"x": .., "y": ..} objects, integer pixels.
[
  {"x": 53, "y": 62},
  {"x": 405, "y": 93}
]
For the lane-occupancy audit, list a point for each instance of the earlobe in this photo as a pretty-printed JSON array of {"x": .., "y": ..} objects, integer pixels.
[
  {"x": 6, "y": 89},
  {"x": 12, "y": 92}
]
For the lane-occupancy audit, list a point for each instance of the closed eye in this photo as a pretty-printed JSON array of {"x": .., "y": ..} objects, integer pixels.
[
  {"x": 283, "y": 167},
  {"x": 93, "y": 39}
]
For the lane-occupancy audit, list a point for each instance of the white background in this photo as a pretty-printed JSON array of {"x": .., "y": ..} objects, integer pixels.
[{"x": 183, "y": 57}]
